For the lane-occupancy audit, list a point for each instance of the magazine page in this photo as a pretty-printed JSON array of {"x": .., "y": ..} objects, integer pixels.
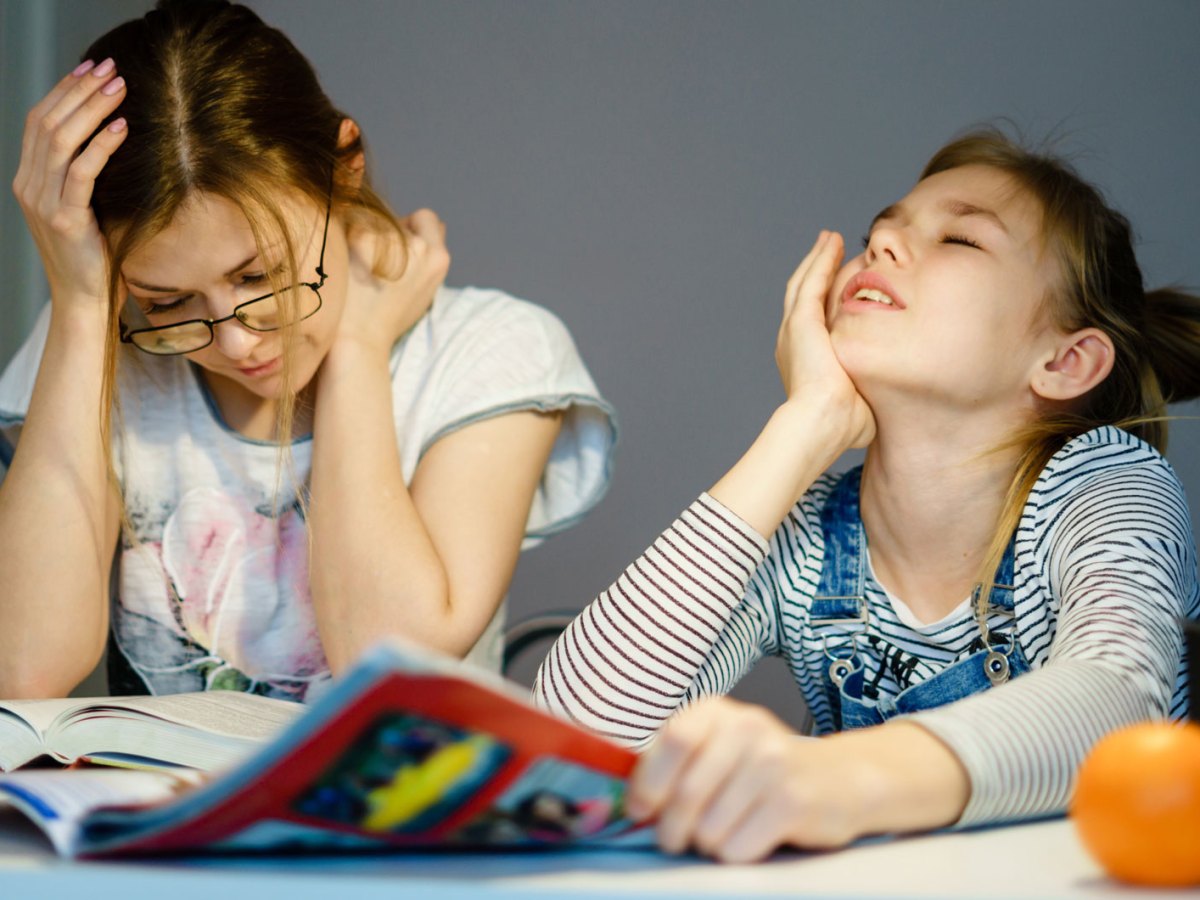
[{"x": 407, "y": 749}]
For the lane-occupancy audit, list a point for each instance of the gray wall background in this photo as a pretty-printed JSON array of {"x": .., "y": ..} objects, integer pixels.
[{"x": 653, "y": 172}]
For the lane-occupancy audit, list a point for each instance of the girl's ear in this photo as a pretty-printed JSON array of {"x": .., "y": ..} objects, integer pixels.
[
  {"x": 349, "y": 135},
  {"x": 1081, "y": 361}
]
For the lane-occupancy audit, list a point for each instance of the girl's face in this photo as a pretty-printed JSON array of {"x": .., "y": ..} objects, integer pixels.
[
  {"x": 946, "y": 301},
  {"x": 206, "y": 262}
]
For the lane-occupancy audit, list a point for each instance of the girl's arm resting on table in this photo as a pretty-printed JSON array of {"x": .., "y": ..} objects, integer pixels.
[
  {"x": 637, "y": 653},
  {"x": 1122, "y": 557},
  {"x": 631, "y": 658}
]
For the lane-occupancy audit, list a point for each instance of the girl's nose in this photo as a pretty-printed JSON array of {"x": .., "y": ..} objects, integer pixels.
[{"x": 887, "y": 243}]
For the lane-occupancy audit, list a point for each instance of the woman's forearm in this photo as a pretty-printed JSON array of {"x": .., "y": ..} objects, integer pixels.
[
  {"x": 374, "y": 568},
  {"x": 58, "y": 518}
]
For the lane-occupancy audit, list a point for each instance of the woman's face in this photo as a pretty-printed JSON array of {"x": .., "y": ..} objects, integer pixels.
[
  {"x": 946, "y": 300},
  {"x": 205, "y": 263}
]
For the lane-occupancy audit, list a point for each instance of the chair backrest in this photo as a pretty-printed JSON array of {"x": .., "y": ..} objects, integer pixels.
[{"x": 543, "y": 626}]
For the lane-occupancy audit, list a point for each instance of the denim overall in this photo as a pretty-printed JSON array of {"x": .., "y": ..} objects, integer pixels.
[{"x": 840, "y": 616}]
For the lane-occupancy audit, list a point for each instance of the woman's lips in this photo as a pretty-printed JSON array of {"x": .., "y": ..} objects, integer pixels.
[
  {"x": 267, "y": 368},
  {"x": 870, "y": 290}
]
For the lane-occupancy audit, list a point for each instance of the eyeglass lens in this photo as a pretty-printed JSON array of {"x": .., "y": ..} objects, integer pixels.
[{"x": 268, "y": 313}]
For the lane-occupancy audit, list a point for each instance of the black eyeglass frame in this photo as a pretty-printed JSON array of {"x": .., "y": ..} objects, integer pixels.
[{"x": 127, "y": 334}]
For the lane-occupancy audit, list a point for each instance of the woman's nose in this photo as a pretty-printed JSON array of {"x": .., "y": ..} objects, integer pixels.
[{"x": 234, "y": 339}]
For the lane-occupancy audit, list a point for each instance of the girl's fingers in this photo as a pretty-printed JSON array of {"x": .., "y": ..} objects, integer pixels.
[
  {"x": 793, "y": 285},
  {"x": 703, "y": 783},
  {"x": 652, "y": 785},
  {"x": 732, "y": 811},
  {"x": 82, "y": 173}
]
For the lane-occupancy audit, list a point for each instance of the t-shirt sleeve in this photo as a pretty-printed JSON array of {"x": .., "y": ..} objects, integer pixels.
[
  {"x": 484, "y": 354},
  {"x": 16, "y": 387}
]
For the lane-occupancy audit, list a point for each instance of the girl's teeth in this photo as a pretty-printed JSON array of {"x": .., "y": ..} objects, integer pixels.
[{"x": 875, "y": 296}]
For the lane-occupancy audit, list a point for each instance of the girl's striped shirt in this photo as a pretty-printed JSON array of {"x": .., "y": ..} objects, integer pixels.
[{"x": 1105, "y": 567}]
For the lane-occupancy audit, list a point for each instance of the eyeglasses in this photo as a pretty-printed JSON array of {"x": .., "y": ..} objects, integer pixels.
[{"x": 270, "y": 312}]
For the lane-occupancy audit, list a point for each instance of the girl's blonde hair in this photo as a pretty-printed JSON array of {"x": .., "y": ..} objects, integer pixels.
[
  {"x": 220, "y": 103},
  {"x": 1155, "y": 334}
]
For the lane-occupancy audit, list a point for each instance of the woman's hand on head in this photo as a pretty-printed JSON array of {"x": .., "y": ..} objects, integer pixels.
[
  {"x": 733, "y": 782},
  {"x": 804, "y": 353},
  {"x": 380, "y": 309},
  {"x": 60, "y": 160}
]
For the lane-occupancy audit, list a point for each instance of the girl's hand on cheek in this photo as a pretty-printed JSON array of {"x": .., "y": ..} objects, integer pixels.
[
  {"x": 807, "y": 363},
  {"x": 379, "y": 309},
  {"x": 57, "y": 174},
  {"x": 733, "y": 782}
]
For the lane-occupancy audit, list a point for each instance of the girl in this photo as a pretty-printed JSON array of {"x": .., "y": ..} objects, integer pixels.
[
  {"x": 315, "y": 444},
  {"x": 1000, "y": 583}
]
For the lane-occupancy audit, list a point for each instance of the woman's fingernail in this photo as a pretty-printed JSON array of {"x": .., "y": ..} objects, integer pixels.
[
  {"x": 83, "y": 68},
  {"x": 113, "y": 86},
  {"x": 117, "y": 125},
  {"x": 104, "y": 68}
]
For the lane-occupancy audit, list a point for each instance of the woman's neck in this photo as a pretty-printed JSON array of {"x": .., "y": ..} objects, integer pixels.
[
  {"x": 253, "y": 416},
  {"x": 932, "y": 495}
]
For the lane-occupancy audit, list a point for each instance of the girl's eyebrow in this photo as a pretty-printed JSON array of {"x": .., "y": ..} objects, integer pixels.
[
  {"x": 961, "y": 209},
  {"x": 171, "y": 290},
  {"x": 956, "y": 208}
]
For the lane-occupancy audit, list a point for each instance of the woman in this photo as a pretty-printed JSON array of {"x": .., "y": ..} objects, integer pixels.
[
  {"x": 313, "y": 443},
  {"x": 1000, "y": 584}
]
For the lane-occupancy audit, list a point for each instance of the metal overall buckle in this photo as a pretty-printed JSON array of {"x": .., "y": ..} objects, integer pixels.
[
  {"x": 995, "y": 663},
  {"x": 841, "y": 667}
]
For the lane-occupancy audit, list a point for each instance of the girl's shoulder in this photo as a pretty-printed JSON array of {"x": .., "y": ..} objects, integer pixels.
[
  {"x": 1101, "y": 455},
  {"x": 1107, "y": 479}
]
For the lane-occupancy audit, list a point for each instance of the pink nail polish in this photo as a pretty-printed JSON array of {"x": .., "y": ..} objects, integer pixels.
[
  {"x": 104, "y": 68},
  {"x": 83, "y": 68},
  {"x": 113, "y": 86},
  {"x": 117, "y": 125}
]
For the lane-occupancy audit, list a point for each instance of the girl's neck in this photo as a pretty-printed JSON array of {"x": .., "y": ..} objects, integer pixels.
[{"x": 932, "y": 495}]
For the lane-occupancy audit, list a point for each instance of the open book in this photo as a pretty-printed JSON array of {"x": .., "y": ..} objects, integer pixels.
[
  {"x": 208, "y": 730},
  {"x": 406, "y": 749}
]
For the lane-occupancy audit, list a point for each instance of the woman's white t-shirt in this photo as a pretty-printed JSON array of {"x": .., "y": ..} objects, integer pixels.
[{"x": 211, "y": 586}]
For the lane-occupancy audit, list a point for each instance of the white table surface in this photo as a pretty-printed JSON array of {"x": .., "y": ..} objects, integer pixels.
[{"x": 1042, "y": 859}]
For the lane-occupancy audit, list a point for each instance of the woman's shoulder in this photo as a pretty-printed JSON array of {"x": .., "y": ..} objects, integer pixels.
[
  {"x": 473, "y": 313},
  {"x": 16, "y": 382}
]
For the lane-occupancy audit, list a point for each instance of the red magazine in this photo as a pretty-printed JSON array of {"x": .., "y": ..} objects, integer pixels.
[{"x": 408, "y": 749}]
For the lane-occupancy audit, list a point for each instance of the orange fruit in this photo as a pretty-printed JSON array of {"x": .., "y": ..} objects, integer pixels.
[{"x": 1137, "y": 804}]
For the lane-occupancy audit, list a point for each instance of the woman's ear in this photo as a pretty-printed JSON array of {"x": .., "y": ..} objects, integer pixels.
[
  {"x": 1080, "y": 361},
  {"x": 349, "y": 135}
]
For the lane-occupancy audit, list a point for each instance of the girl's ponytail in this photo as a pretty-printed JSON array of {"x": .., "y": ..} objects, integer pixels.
[{"x": 1173, "y": 342}]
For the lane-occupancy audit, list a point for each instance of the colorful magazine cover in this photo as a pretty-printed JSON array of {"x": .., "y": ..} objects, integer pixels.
[{"x": 408, "y": 749}]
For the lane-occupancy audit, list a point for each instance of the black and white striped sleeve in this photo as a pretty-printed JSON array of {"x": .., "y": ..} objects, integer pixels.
[
  {"x": 1121, "y": 562},
  {"x": 667, "y": 628}
]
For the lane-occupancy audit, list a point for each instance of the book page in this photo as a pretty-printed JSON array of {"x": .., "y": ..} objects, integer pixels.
[
  {"x": 230, "y": 713},
  {"x": 57, "y": 800},
  {"x": 41, "y": 713}
]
